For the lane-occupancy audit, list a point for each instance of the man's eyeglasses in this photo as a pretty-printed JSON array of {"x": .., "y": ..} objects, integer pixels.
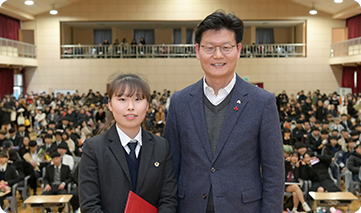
[{"x": 225, "y": 49}]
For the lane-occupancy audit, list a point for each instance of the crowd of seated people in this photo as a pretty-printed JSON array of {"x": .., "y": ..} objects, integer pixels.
[
  {"x": 39, "y": 129},
  {"x": 323, "y": 131}
]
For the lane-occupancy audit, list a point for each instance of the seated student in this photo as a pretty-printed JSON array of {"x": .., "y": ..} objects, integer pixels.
[
  {"x": 58, "y": 138},
  {"x": 24, "y": 147},
  {"x": 315, "y": 168},
  {"x": 287, "y": 151},
  {"x": 335, "y": 133},
  {"x": 307, "y": 128},
  {"x": 354, "y": 162},
  {"x": 342, "y": 141},
  {"x": 12, "y": 135},
  {"x": 8, "y": 174},
  {"x": 320, "y": 144},
  {"x": 342, "y": 157},
  {"x": 337, "y": 125},
  {"x": 301, "y": 149},
  {"x": 69, "y": 142},
  {"x": 298, "y": 132},
  {"x": 331, "y": 147},
  {"x": 313, "y": 139},
  {"x": 56, "y": 178},
  {"x": 65, "y": 158},
  {"x": 292, "y": 175},
  {"x": 15, "y": 160},
  {"x": 2, "y": 136},
  {"x": 49, "y": 146},
  {"x": 286, "y": 136},
  {"x": 32, "y": 157}
]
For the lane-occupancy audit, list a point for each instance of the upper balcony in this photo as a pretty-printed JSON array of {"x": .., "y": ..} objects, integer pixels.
[
  {"x": 176, "y": 51},
  {"x": 17, "y": 53},
  {"x": 346, "y": 52}
]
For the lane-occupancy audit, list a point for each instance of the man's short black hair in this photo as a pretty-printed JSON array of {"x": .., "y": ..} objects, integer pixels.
[{"x": 220, "y": 20}]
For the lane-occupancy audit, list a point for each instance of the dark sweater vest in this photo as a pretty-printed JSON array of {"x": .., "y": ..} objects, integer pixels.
[
  {"x": 215, "y": 116},
  {"x": 133, "y": 169}
]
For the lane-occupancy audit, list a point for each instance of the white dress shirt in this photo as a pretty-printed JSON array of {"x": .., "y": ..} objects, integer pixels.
[
  {"x": 124, "y": 140},
  {"x": 3, "y": 167},
  {"x": 222, "y": 93},
  {"x": 66, "y": 160}
]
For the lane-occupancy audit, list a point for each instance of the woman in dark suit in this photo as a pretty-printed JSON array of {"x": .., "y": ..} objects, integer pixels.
[{"x": 126, "y": 157}]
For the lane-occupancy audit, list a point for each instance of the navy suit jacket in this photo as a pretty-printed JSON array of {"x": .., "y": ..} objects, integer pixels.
[
  {"x": 247, "y": 169},
  {"x": 105, "y": 180}
]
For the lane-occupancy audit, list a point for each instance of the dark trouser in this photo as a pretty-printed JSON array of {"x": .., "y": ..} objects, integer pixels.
[
  {"x": 55, "y": 191},
  {"x": 34, "y": 180},
  {"x": 75, "y": 199}
]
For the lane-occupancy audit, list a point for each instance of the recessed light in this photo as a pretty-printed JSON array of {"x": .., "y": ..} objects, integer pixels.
[
  {"x": 338, "y": 1},
  {"x": 29, "y": 2}
]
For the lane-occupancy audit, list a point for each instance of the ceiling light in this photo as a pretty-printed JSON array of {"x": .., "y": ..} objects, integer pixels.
[
  {"x": 29, "y": 2},
  {"x": 313, "y": 10},
  {"x": 53, "y": 11},
  {"x": 338, "y": 1},
  {"x": 1, "y": 2}
]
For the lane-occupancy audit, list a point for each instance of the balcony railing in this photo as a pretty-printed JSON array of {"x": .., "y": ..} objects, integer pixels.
[
  {"x": 349, "y": 47},
  {"x": 14, "y": 48},
  {"x": 175, "y": 51}
]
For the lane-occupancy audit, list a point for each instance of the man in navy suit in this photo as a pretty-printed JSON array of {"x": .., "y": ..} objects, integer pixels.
[{"x": 224, "y": 132}]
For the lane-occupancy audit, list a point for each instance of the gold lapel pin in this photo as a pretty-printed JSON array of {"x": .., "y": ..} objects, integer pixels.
[
  {"x": 156, "y": 164},
  {"x": 239, "y": 102}
]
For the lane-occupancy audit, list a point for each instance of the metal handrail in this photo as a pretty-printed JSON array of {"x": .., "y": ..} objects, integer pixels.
[
  {"x": 14, "y": 48},
  {"x": 174, "y": 51},
  {"x": 349, "y": 47}
]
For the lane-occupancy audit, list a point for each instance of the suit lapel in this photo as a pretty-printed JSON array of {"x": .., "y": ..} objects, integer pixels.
[
  {"x": 196, "y": 107},
  {"x": 239, "y": 100},
  {"x": 118, "y": 150},
  {"x": 145, "y": 158}
]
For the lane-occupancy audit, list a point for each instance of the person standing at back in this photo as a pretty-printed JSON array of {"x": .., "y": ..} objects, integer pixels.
[{"x": 222, "y": 130}]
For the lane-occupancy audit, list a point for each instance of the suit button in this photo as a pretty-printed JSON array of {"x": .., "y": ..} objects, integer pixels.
[
  {"x": 213, "y": 170},
  {"x": 204, "y": 196}
]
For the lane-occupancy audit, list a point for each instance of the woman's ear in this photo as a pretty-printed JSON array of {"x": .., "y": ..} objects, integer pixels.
[{"x": 110, "y": 105}]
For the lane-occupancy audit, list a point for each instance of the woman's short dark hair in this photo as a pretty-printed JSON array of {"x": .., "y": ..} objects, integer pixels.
[{"x": 220, "y": 20}]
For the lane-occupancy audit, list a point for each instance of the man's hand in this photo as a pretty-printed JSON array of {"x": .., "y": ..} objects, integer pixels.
[
  {"x": 61, "y": 186},
  {"x": 344, "y": 170},
  {"x": 34, "y": 164},
  {"x": 47, "y": 188},
  {"x": 321, "y": 146}
]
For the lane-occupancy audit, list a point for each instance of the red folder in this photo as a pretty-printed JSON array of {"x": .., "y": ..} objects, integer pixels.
[{"x": 136, "y": 204}]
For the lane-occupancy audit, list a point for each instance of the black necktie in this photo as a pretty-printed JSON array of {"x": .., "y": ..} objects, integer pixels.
[{"x": 132, "y": 144}]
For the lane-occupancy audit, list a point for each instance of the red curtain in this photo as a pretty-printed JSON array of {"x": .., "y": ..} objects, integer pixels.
[
  {"x": 9, "y": 27},
  {"x": 348, "y": 78},
  {"x": 353, "y": 24},
  {"x": 6, "y": 81}
]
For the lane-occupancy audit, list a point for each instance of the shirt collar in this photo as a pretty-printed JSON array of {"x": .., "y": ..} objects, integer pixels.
[
  {"x": 59, "y": 166},
  {"x": 124, "y": 139},
  {"x": 228, "y": 88},
  {"x": 3, "y": 167}
]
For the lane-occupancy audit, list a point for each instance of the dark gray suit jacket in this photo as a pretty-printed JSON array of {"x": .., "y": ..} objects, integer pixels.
[
  {"x": 105, "y": 180},
  {"x": 250, "y": 138}
]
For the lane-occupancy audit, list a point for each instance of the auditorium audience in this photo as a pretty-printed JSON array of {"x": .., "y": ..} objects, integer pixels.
[{"x": 311, "y": 126}]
